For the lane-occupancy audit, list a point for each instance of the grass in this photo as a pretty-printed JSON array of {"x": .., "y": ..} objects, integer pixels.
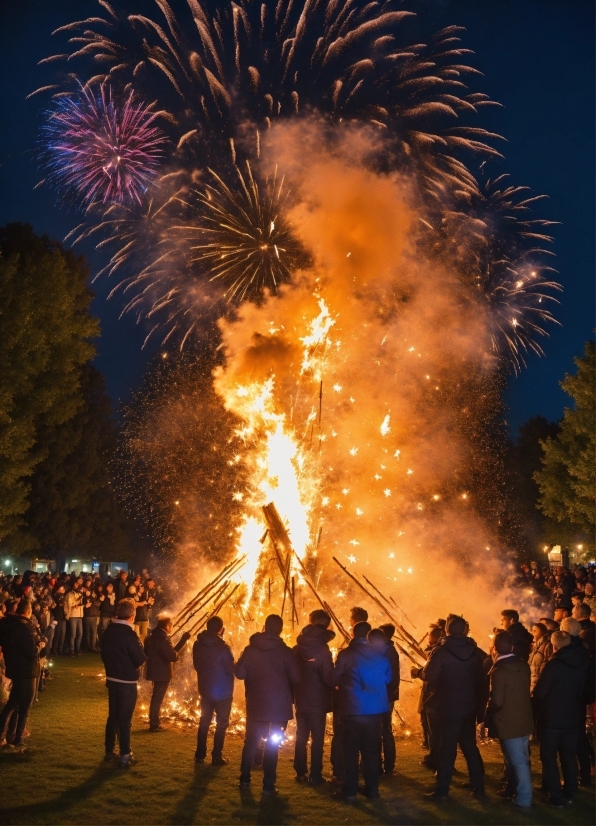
[{"x": 61, "y": 777}]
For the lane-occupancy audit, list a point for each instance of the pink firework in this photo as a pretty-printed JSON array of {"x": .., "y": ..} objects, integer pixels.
[{"x": 100, "y": 151}]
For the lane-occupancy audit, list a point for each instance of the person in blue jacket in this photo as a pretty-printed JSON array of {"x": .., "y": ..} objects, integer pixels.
[{"x": 362, "y": 674}]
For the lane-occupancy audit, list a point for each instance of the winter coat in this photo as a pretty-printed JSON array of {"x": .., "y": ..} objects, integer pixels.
[
  {"x": 269, "y": 670},
  {"x": 141, "y": 613},
  {"x": 91, "y": 606},
  {"x": 362, "y": 675},
  {"x": 454, "y": 674},
  {"x": 314, "y": 691},
  {"x": 428, "y": 694},
  {"x": 578, "y": 643},
  {"x": 521, "y": 639},
  {"x": 587, "y": 635},
  {"x": 540, "y": 654},
  {"x": 73, "y": 604},
  {"x": 107, "y": 605},
  {"x": 560, "y": 692},
  {"x": 509, "y": 712},
  {"x": 58, "y": 610},
  {"x": 120, "y": 589},
  {"x": 214, "y": 663},
  {"x": 161, "y": 655},
  {"x": 393, "y": 686},
  {"x": 18, "y": 639},
  {"x": 121, "y": 652}
]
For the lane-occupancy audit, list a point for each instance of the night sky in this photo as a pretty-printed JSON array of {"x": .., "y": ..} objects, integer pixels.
[{"x": 538, "y": 60}]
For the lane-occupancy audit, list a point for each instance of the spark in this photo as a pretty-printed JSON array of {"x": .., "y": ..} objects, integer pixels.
[
  {"x": 353, "y": 451},
  {"x": 385, "y": 429},
  {"x": 337, "y": 388},
  {"x": 387, "y": 492},
  {"x": 391, "y": 555}
]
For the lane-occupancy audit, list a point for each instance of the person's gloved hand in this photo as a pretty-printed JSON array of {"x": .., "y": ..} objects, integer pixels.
[
  {"x": 415, "y": 671},
  {"x": 185, "y": 638}
]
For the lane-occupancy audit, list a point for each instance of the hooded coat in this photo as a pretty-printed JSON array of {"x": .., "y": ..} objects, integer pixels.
[
  {"x": 121, "y": 652},
  {"x": 161, "y": 655},
  {"x": 314, "y": 691},
  {"x": 509, "y": 712},
  {"x": 214, "y": 663},
  {"x": 540, "y": 654},
  {"x": 362, "y": 675},
  {"x": 455, "y": 677},
  {"x": 560, "y": 692},
  {"x": 269, "y": 670},
  {"x": 19, "y": 646}
]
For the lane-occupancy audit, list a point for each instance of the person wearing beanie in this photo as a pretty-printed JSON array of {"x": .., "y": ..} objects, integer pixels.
[
  {"x": 455, "y": 674},
  {"x": 509, "y": 717},
  {"x": 585, "y": 752},
  {"x": 312, "y": 695},
  {"x": 559, "y": 698},
  {"x": 270, "y": 672},
  {"x": 214, "y": 663}
]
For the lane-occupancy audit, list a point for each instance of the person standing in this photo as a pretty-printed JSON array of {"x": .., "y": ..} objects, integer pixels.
[
  {"x": 362, "y": 674},
  {"x": 91, "y": 605},
  {"x": 20, "y": 647},
  {"x": 73, "y": 611},
  {"x": 123, "y": 656},
  {"x": 455, "y": 674},
  {"x": 560, "y": 702},
  {"x": 388, "y": 744},
  {"x": 540, "y": 653},
  {"x": 522, "y": 639},
  {"x": 509, "y": 717},
  {"x": 59, "y": 618},
  {"x": 269, "y": 670},
  {"x": 427, "y": 707},
  {"x": 585, "y": 749},
  {"x": 142, "y": 613},
  {"x": 214, "y": 663},
  {"x": 312, "y": 695},
  {"x": 107, "y": 608},
  {"x": 121, "y": 586},
  {"x": 159, "y": 668}
]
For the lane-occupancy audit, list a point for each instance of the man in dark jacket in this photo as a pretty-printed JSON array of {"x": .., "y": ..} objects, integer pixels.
[
  {"x": 509, "y": 717},
  {"x": 161, "y": 656},
  {"x": 362, "y": 674},
  {"x": 107, "y": 608},
  {"x": 20, "y": 648},
  {"x": 121, "y": 586},
  {"x": 581, "y": 613},
  {"x": 427, "y": 706},
  {"x": 214, "y": 663},
  {"x": 522, "y": 639},
  {"x": 585, "y": 750},
  {"x": 388, "y": 739},
  {"x": 312, "y": 694},
  {"x": 269, "y": 670},
  {"x": 454, "y": 673},
  {"x": 123, "y": 656},
  {"x": 91, "y": 605}
]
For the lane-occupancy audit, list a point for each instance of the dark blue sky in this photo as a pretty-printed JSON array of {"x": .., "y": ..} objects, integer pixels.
[{"x": 538, "y": 60}]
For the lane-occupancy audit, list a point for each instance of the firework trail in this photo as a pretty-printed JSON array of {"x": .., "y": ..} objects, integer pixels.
[
  {"x": 223, "y": 74},
  {"x": 98, "y": 151}
]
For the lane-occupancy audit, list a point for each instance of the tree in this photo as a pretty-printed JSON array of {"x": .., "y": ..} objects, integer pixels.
[
  {"x": 567, "y": 480},
  {"x": 46, "y": 334},
  {"x": 73, "y": 507},
  {"x": 523, "y": 459}
]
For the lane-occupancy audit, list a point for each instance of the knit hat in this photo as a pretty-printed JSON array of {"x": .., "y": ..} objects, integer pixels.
[{"x": 571, "y": 625}]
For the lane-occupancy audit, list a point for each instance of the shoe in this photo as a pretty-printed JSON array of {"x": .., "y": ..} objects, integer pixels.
[
  {"x": 110, "y": 757},
  {"x": 270, "y": 792},
  {"x": 19, "y": 744},
  {"x": 387, "y": 772},
  {"x": 316, "y": 781},
  {"x": 301, "y": 778},
  {"x": 199, "y": 759},
  {"x": 439, "y": 798},
  {"x": 424, "y": 762},
  {"x": 556, "y": 803},
  {"x": 337, "y": 781},
  {"x": 244, "y": 784},
  {"x": 127, "y": 761},
  {"x": 219, "y": 761},
  {"x": 158, "y": 728},
  {"x": 481, "y": 796},
  {"x": 506, "y": 793},
  {"x": 567, "y": 800},
  {"x": 371, "y": 795}
]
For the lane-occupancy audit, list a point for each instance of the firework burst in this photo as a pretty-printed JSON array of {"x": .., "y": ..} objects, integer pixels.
[{"x": 98, "y": 151}]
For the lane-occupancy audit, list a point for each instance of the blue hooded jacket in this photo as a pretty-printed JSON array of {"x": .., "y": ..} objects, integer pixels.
[{"x": 362, "y": 675}]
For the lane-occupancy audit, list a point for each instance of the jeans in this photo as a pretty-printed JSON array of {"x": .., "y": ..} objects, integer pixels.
[
  {"x": 272, "y": 733},
  {"x": 159, "y": 692},
  {"x": 388, "y": 739},
  {"x": 19, "y": 701},
  {"x": 122, "y": 699},
  {"x": 221, "y": 709},
  {"x": 462, "y": 731},
  {"x": 75, "y": 625},
  {"x": 553, "y": 741},
  {"x": 59, "y": 637},
  {"x": 103, "y": 624},
  {"x": 516, "y": 751},
  {"x": 310, "y": 725},
  {"x": 90, "y": 633},
  {"x": 337, "y": 748},
  {"x": 361, "y": 736}
]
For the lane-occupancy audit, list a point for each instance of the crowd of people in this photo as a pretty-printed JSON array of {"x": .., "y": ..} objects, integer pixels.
[{"x": 534, "y": 688}]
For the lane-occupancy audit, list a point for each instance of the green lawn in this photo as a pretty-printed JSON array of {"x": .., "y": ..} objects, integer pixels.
[{"x": 61, "y": 777}]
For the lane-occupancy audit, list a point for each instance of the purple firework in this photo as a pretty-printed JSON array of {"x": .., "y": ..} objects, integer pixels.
[{"x": 100, "y": 151}]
